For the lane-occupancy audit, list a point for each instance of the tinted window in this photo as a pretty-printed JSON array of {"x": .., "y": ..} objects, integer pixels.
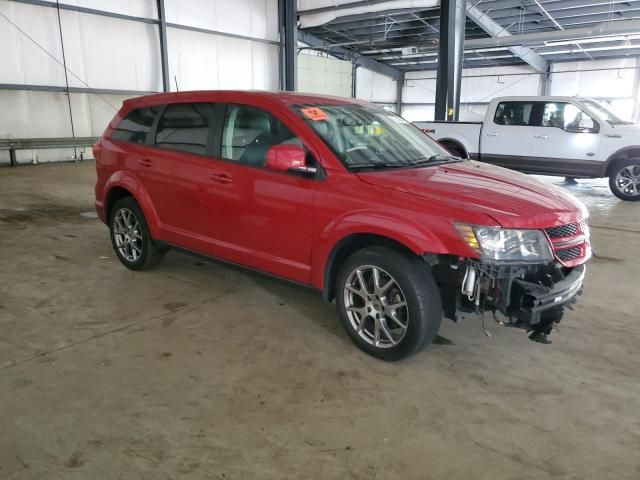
[
  {"x": 135, "y": 126},
  {"x": 249, "y": 132},
  {"x": 185, "y": 127},
  {"x": 514, "y": 113},
  {"x": 567, "y": 117}
]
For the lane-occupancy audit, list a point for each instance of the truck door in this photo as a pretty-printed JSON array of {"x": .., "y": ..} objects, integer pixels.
[
  {"x": 506, "y": 138},
  {"x": 566, "y": 142}
]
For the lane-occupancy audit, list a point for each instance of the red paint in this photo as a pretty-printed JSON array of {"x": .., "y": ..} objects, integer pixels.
[{"x": 287, "y": 224}]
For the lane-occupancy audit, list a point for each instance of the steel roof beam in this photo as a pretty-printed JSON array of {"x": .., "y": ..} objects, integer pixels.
[
  {"x": 496, "y": 30},
  {"x": 345, "y": 54}
]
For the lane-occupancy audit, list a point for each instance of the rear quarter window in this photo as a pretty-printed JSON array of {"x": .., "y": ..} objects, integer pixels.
[{"x": 135, "y": 126}]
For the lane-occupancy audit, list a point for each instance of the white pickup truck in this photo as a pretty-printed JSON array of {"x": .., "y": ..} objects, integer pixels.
[{"x": 565, "y": 136}]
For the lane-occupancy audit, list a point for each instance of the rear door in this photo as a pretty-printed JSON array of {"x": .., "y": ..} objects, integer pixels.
[
  {"x": 566, "y": 142},
  {"x": 175, "y": 171},
  {"x": 263, "y": 218},
  {"x": 506, "y": 138}
]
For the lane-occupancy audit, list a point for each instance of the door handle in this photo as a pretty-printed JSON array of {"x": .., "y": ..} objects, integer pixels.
[
  {"x": 542, "y": 137},
  {"x": 145, "y": 162},
  {"x": 220, "y": 177},
  {"x": 492, "y": 134}
]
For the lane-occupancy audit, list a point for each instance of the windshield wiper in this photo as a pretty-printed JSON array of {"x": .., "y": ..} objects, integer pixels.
[
  {"x": 378, "y": 166},
  {"x": 435, "y": 158}
]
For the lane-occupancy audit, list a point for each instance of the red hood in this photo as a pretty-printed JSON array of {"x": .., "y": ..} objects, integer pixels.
[{"x": 513, "y": 199}]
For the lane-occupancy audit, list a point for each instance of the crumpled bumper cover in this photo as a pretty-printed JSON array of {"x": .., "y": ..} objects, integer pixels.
[{"x": 529, "y": 299}]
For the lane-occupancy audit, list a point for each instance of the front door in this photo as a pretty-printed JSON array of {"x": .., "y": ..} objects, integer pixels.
[
  {"x": 506, "y": 139},
  {"x": 566, "y": 142},
  {"x": 260, "y": 218}
]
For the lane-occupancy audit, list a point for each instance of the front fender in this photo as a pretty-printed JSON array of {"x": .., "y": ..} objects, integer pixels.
[
  {"x": 132, "y": 184},
  {"x": 417, "y": 238}
]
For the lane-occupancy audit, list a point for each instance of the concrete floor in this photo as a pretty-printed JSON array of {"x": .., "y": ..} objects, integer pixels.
[{"x": 197, "y": 370}]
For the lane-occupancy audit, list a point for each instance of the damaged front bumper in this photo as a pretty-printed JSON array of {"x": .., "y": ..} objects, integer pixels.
[
  {"x": 529, "y": 299},
  {"x": 532, "y": 297}
]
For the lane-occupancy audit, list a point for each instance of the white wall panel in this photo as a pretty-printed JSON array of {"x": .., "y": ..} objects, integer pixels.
[
  {"x": 374, "y": 87},
  {"x": 419, "y": 87},
  {"x": 136, "y": 8},
  {"x": 322, "y": 75},
  {"x": 205, "y": 61},
  {"x": 254, "y": 18},
  {"x": 498, "y": 82},
  {"x": 611, "y": 82},
  {"x": 111, "y": 53},
  {"x": 418, "y": 113},
  {"x": 22, "y": 61}
]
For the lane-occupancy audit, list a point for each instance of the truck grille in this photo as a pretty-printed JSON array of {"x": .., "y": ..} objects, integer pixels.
[{"x": 570, "y": 243}]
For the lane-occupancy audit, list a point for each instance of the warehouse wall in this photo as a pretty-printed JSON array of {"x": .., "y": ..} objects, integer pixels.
[
  {"x": 324, "y": 75},
  {"x": 376, "y": 88},
  {"x": 479, "y": 86},
  {"x": 112, "y": 53},
  {"x": 612, "y": 81}
]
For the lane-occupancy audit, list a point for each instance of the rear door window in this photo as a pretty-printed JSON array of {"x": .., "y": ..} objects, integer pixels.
[
  {"x": 135, "y": 126},
  {"x": 514, "y": 113},
  {"x": 186, "y": 127}
]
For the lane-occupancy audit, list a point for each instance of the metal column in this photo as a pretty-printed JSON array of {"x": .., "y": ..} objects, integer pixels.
[
  {"x": 450, "y": 54},
  {"x": 399, "y": 87},
  {"x": 164, "y": 58},
  {"x": 545, "y": 80},
  {"x": 354, "y": 73},
  {"x": 636, "y": 92},
  {"x": 288, "y": 15}
]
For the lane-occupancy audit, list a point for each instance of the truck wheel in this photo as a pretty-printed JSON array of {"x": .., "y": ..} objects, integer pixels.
[
  {"x": 625, "y": 180},
  {"x": 130, "y": 236},
  {"x": 389, "y": 303}
]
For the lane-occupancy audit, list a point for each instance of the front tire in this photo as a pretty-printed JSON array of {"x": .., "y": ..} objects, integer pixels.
[
  {"x": 389, "y": 302},
  {"x": 130, "y": 236},
  {"x": 625, "y": 180}
]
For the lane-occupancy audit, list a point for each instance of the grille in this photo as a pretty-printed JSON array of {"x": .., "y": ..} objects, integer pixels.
[
  {"x": 568, "y": 230},
  {"x": 567, "y": 254}
]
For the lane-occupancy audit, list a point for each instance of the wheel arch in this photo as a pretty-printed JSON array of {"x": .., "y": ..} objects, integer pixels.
[
  {"x": 622, "y": 154},
  {"x": 456, "y": 144},
  {"x": 122, "y": 185}
]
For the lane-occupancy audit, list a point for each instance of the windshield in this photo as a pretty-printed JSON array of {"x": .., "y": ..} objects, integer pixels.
[
  {"x": 604, "y": 113},
  {"x": 370, "y": 137}
]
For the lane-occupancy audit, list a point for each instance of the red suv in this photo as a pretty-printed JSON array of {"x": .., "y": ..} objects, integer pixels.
[{"x": 345, "y": 197}]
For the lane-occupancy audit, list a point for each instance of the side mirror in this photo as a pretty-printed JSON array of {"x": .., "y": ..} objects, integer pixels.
[
  {"x": 586, "y": 124},
  {"x": 288, "y": 158}
]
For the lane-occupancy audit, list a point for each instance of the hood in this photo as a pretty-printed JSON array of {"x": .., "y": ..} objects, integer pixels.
[
  {"x": 513, "y": 199},
  {"x": 625, "y": 130}
]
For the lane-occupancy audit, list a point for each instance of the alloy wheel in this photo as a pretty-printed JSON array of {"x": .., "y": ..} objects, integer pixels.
[
  {"x": 127, "y": 234},
  {"x": 376, "y": 306},
  {"x": 628, "y": 180}
]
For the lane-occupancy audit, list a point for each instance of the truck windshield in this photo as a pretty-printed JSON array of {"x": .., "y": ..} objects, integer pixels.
[
  {"x": 604, "y": 113},
  {"x": 368, "y": 137}
]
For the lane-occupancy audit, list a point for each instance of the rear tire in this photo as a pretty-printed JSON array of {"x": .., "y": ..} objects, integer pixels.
[
  {"x": 130, "y": 236},
  {"x": 398, "y": 309},
  {"x": 624, "y": 180}
]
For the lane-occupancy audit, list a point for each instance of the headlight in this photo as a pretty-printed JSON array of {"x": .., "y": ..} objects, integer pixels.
[{"x": 507, "y": 245}]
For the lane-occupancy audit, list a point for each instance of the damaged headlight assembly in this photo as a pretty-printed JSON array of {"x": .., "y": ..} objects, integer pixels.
[{"x": 502, "y": 245}]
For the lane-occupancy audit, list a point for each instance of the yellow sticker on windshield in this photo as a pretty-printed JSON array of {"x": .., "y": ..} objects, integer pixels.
[{"x": 314, "y": 113}]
